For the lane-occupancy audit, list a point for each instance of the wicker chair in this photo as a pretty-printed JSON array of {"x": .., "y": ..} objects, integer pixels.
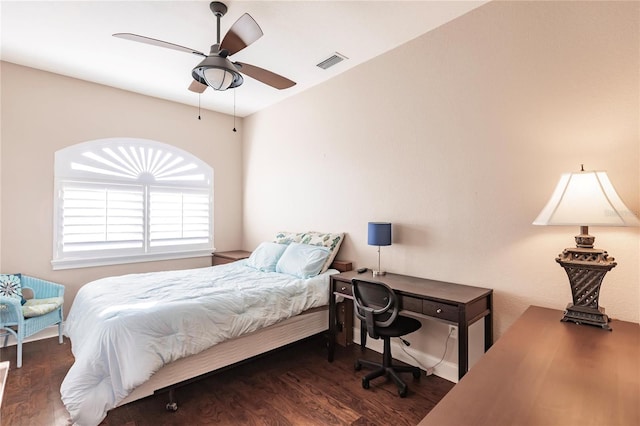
[{"x": 24, "y": 321}]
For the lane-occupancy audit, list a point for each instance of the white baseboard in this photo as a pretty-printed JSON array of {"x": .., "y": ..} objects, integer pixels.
[
  {"x": 47, "y": 333},
  {"x": 446, "y": 370}
]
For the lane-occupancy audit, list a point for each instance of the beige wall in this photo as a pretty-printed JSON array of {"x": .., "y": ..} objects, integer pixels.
[
  {"x": 458, "y": 138},
  {"x": 1, "y": 165},
  {"x": 44, "y": 112}
]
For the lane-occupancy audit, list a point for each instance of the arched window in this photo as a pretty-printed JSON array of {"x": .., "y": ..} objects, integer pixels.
[{"x": 123, "y": 200}]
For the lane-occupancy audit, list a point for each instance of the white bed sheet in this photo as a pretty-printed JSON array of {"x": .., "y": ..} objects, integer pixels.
[{"x": 125, "y": 328}]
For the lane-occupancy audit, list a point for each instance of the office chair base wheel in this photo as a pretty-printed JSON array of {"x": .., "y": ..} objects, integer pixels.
[
  {"x": 172, "y": 406},
  {"x": 365, "y": 383},
  {"x": 357, "y": 366},
  {"x": 402, "y": 392},
  {"x": 416, "y": 374}
]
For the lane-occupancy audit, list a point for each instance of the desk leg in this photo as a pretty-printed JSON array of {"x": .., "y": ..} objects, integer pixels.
[
  {"x": 463, "y": 346},
  {"x": 488, "y": 325},
  {"x": 488, "y": 332},
  {"x": 331, "y": 344}
]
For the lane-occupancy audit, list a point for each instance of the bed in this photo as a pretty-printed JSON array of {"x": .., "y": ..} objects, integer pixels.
[{"x": 137, "y": 334}]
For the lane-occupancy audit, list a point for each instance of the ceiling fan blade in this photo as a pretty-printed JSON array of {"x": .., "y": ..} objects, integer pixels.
[
  {"x": 241, "y": 34},
  {"x": 197, "y": 87},
  {"x": 160, "y": 43},
  {"x": 267, "y": 77}
]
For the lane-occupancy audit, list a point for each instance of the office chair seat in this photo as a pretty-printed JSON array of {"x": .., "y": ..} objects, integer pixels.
[
  {"x": 376, "y": 305},
  {"x": 400, "y": 327}
]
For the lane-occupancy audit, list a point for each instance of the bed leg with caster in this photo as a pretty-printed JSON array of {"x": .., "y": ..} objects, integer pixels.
[{"x": 172, "y": 405}]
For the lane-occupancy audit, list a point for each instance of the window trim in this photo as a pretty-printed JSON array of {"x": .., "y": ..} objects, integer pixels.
[{"x": 69, "y": 168}]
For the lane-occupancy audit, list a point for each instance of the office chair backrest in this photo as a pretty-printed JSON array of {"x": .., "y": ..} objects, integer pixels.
[{"x": 376, "y": 304}]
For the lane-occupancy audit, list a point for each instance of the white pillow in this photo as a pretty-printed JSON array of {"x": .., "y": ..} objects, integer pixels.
[
  {"x": 324, "y": 239},
  {"x": 266, "y": 256},
  {"x": 302, "y": 260}
]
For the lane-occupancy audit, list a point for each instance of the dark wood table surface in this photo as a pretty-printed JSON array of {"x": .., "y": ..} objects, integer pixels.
[{"x": 546, "y": 372}]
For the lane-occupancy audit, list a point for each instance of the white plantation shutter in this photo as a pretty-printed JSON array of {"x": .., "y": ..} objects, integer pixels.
[
  {"x": 127, "y": 200},
  {"x": 178, "y": 217},
  {"x": 101, "y": 217}
]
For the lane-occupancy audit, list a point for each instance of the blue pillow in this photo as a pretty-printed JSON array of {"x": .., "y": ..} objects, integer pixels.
[
  {"x": 11, "y": 286},
  {"x": 302, "y": 260},
  {"x": 265, "y": 256}
]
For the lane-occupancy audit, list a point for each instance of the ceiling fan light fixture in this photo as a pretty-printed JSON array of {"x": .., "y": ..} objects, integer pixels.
[
  {"x": 218, "y": 73},
  {"x": 218, "y": 78}
]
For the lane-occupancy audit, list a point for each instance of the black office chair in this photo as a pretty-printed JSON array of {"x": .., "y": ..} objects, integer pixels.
[{"x": 376, "y": 304}]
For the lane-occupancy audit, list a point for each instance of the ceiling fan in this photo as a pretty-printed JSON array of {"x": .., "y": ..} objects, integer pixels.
[{"x": 216, "y": 70}]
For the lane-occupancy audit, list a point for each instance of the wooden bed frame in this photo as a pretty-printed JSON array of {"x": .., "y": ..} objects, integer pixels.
[{"x": 235, "y": 350}]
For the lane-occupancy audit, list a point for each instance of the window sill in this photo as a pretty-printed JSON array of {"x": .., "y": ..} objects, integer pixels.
[{"x": 120, "y": 260}]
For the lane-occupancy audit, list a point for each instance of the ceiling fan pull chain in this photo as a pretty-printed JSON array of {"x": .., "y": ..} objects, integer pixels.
[
  {"x": 234, "y": 110},
  {"x": 199, "y": 95}
]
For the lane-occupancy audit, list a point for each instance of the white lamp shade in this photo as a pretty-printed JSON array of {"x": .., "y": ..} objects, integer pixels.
[{"x": 586, "y": 199}]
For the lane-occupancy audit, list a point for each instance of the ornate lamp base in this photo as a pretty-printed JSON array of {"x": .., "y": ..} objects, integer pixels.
[
  {"x": 586, "y": 268},
  {"x": 583, "y": 315}
]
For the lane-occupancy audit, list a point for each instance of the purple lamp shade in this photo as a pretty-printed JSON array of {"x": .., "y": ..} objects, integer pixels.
[{"x": 379, "y": 234}]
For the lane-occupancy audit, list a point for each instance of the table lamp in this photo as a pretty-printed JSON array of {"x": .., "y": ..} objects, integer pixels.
[
  {"x": 586, "y": 199},
  {"x": 379, "y": 234}
]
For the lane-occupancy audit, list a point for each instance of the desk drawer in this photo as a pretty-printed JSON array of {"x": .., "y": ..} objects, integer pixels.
[
  {"x": 440, "y": 310},
  {"x": 343, "y": 288},
  {"x": 412, "y": 304}
]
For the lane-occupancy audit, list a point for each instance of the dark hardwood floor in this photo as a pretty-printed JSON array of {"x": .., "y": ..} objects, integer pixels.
[{"x": 291, "y": 386}]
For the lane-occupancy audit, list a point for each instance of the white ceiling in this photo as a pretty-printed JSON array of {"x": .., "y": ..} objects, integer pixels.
[{"x": 74, "y": 38}]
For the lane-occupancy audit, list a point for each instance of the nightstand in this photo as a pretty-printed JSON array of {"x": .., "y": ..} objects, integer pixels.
[{"x": 222, "y": 257}]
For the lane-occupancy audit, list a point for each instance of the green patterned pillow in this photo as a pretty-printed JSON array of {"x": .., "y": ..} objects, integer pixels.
[
  {"x": 10, "y": 286},
  {"x": 288, "y": 237}
]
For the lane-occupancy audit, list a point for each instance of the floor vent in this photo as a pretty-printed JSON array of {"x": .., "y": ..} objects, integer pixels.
[{"x": 331, "y": 61}]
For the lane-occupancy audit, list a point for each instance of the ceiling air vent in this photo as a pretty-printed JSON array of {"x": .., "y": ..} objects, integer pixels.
[{"x": 331, "y": 61}]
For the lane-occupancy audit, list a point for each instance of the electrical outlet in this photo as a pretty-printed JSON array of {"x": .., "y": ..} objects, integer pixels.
[{"x": 453, "y": 331}]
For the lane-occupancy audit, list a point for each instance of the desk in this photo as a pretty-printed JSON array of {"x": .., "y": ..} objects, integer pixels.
[
  {"x": 456, "y": 304},
  {"x": 4, "y": 370},
  {"x": 546, "y": 372}
]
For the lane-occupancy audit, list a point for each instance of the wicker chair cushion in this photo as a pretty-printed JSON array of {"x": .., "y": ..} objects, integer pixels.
[{"x": 37, "y": 307}]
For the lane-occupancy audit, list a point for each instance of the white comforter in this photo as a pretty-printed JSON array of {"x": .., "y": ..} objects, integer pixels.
[{"x": 125, "y": 328}]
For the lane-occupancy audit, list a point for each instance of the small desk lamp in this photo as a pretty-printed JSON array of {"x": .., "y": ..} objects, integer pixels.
[
  {"x": 586, "y": 199},
  {"x": 379, "y": 235}
]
